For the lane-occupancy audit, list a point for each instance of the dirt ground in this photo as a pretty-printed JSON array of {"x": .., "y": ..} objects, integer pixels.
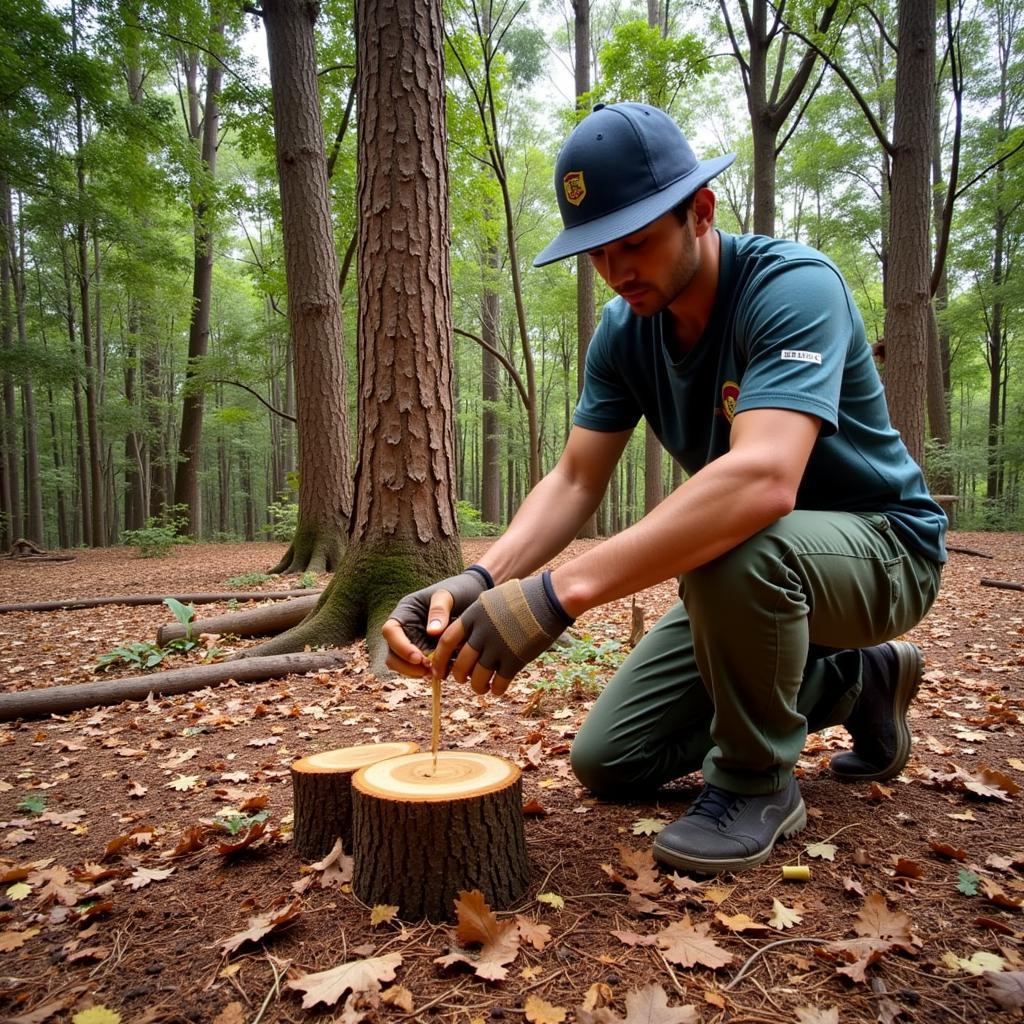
[{"x": 144, "y": 881}]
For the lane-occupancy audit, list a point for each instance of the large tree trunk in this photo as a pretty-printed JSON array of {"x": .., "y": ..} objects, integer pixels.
[
  {"x": 490, "y": 497},
  {"x": 404, "y": 529},
  {"x": 186, "y": 479},
  {"x": 314, "y": 302},
  {"x": 11, "y": 522},
  {"x": 908, "y": 295}
]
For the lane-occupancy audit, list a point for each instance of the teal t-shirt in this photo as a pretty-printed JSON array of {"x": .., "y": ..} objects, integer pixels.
[{"x": 784, "y": 333}]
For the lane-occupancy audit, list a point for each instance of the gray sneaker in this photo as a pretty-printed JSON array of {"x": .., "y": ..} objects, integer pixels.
[
  {"x": 878, "y": 722},
  {"x": 725, "y": 831}
]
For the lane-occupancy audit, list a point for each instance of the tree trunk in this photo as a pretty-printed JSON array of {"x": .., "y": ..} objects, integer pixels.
[
  {"x": 322, "y": 795},
  {"x": 409, "y": 817},
  {"x": 186, "y": 479},
  {"x": 314, "y": 302},
  {"x": 490, "y": 496},
  {"x": 908, "y": 296},
  {"x": 404, "y": 528},
  {"x": 10, "y": 504}
]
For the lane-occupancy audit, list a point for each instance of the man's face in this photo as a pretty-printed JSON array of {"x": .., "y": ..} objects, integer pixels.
[{"x": 651, "y": 267}]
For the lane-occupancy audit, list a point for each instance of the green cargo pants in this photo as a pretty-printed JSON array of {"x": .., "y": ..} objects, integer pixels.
[{"x": 761, "y": 650}]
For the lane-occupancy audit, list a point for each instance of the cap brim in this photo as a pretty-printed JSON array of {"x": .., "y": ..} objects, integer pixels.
[{"x": 612, "y": 226}]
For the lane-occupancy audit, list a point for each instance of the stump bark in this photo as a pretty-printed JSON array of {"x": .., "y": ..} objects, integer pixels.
[
  {"x": 322, "y": 795},
  {"x": 421, "y": 835}
]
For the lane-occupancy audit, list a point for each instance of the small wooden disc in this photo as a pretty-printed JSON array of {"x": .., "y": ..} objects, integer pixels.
[
  {"x": 349, "y": 759},
  {"x": 459, "y": 775}
]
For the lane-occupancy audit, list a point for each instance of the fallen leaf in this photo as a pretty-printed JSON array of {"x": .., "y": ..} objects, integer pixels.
[
  {"x": 97, "y": 1015},
  {"x": 908, "y": 868},
  {"x": 979, "y": 962},
  {"x": 635, "y": 939},
  {"x": 183, "y": 783},
  {"x": 687, "y": 944},
  {"x": 1006, "y": 988},
  {"x": 648, "y": 827},
  {"x": 15, "y": 940},
  {"x": 540, "y": 1012},
  {"x": 782, "y": 916},
  {"x": 498, "y": 940},
  {"x": 551, "y": 899},
  {"x": 261, "y": 925},
  {"x": 826, "y": 851},
  {"x": 144, "y": 876},
  {"x": 233, "y": 1013},
  {"x": 643, "y": 1006},
  {"x": 537, "y": 935},
  {"x": 362, "y": 977},
  {"x": 398, "y": 995},
  {"x": 876, "y": 920},
  {"x": 382, "y": 913},
  {"x": 740, "y": 922},
  {"x": 946, "y": 850},
  {"x": 816, "y": 1015}
]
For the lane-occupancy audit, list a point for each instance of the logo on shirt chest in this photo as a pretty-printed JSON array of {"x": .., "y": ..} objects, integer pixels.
[{"x": 730, "y": 396}]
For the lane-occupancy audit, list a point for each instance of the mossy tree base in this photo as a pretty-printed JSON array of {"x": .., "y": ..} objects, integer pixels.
[
  {"x": 313, "y": 549},
  {"x": 367, "y": 584}
]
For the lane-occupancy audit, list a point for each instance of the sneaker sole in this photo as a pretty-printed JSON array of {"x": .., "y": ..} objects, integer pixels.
[
  {"x": 793, "y": 823},
  {"x": 910, "y": 670}
]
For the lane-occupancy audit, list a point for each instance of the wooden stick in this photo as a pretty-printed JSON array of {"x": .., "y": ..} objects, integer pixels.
[
  {"x": 968, "y": 551},
  {"x": 1000, "y": 584},
  {"x": 58, "y": 700},
  {"x": 135, "y": 599}
]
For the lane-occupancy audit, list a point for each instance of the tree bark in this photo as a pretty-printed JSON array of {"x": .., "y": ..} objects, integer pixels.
[
  {"x": 490, "y": 499},
  {"x": 186, "y": 479},
  {"x": 908, "y": 294},
  {"x": 322, "y": 795},
  {"x": 421, "y": 836},
  {"x": 314, "y": 302},
  {"x": 404, "y": 528},
  {"x": 59, "y": 700}
]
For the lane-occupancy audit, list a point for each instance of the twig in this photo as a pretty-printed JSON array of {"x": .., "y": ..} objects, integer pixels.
[
  {"x": 433, "y": 1002},
  {"x": 671, "y": 973},
  {"x": 764, "y": 949},
  {"x": 274, "y": 991}
]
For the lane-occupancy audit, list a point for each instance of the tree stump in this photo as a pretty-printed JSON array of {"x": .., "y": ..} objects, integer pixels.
[
  {"x": 322, "y": 795},
  {"x": 419, "y": 836}
]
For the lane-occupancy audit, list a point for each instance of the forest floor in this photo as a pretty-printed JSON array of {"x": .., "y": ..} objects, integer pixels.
[{"x": 120, "y": 900}]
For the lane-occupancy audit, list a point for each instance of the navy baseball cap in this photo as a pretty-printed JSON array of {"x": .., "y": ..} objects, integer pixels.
[{"x": 623, "y": 166}]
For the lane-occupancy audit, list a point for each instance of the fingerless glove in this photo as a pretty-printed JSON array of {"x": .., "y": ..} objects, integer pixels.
[{"x": 413, "y": 609}]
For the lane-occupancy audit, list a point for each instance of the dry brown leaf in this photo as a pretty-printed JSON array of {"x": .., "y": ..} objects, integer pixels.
[
  {"x": 634, "y": 939},
  {"x": 537, "y": 935},
  {"x": 876, "y": 920},
  {"x": 399, "y": 996},
  {"x": 40, "y": 1014},
  {"x": 15, "y": 940},
  {"x": 643, "y": 1006},
  {"x": 687, "y": 944},
  {"x": 142, "y": 877},
  {"x": 994, "y": 893},
  {"x": 229, "y": 847},
  {"x": 233, "y": 1013},
  {"x": 362, "y": 977},
  {"x": 1006, "y": 988},
  {"x": 816, "y": 1015},
  {"x": 782, "y": 916},
  {"x": 908, "y": 868},
  {"x": 740, "y": 922},
  {"x": 498, "y": 940},
  {"x": 859, "y": 954},
  {"x": 262, "y": 925},
  {"x": 946, "y": 850},
  {"x": 599, "y": 994},
  {"x": 537, "y": 1011}
]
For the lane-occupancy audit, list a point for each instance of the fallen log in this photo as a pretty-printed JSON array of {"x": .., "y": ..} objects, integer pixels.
[
  {"x": 322, "y": 795},
  {"x": 1001, "y": 584},
  {"x": 969, "y": 551},
  {"x": 265, "y": 619},
  {"x": 71, "y": 604},
  {"x": 59, "y": 700},
  {"x": 421, "y": 833}
]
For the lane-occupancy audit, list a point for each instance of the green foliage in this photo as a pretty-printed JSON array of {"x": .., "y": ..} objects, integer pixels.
[
  {"x": 249, "y": 579},
  {"x": 144, "y": 655},
  {"x": 470, "y": 523},
  {"x": 284, "y": 517},
  {"x": 34, "y": 803},
  {"x": 581, "y": 666},
  {"x": 184, "y": 613},
  {"x": 233, "y": 824},
  {"x": 307, "y": 580},
  {"x": 160, "y": 534}
]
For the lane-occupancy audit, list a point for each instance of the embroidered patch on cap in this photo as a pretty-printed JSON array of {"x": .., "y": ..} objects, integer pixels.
[
  {"x": 801, "y": 356},
  {"x": 575, "y": 187}
]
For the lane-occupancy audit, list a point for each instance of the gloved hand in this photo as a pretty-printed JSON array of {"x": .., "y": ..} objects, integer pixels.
[
  {"x": 513, "y": 623},
  {"x": 415, "y": 612}
]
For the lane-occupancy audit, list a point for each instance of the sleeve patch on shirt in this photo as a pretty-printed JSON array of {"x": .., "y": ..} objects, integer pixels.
[{"x": 801, "y": 356}]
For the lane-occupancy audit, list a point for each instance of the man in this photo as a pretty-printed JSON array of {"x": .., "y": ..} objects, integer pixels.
[{"x": 804, "y": 538}]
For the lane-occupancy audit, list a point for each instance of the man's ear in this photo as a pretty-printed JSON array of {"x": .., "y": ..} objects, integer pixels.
[{"x": 703, "y": 206}]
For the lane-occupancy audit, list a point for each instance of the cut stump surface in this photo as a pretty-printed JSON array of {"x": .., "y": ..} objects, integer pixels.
[
  {"x": 422, "y": 834},
  {"x": 322, "y": 795}
]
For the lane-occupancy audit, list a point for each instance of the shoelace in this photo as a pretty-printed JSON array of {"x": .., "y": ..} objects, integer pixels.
[{"x": 715, "y": 804}]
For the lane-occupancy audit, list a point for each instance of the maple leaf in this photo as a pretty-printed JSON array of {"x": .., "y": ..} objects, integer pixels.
[
  {"x": 362, "y": 977},
  {"x": 740, "y": 922},
  {"x": 1006, "y": 988},
  {"x": 15, "y": 940},
  {"x": 262, "y": 925},
  {"x": 648, "y": 826},
  {"x": 647, "y": 1005},
  {"x": 537, "y": 1011},
  {"x": 143, "y": 877},
  {"x": 782, "y": 916},
  {"x": 876, "y": 920},
  {"x": 552, "y": 899},
  {"x": 687, "y": 944},
  {"x": 97, "y": 1015},
  {"x": 477, "y": 925},
  {"x": 382, "y": 913},
  {"x": 183, "y": 783},
  {"x": 538, "y": 935},
  {"x": 860, "y": 954},
  {"x": 967, "y": 882}
]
